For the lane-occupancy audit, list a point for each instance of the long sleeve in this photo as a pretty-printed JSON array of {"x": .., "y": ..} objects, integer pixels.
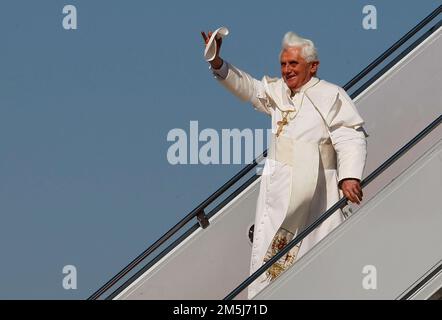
[
  {"x": 350, "y": 146},
  {"x": 348, "y": 138},
  {"x": 244, "y": 86}
]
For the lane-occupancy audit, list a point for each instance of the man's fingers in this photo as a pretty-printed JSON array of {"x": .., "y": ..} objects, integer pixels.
[
  {"x": 348, "y": 195},
  {"x": 204, "y": 36},
  {"x": 359, "y": 189},
  {"x": 356, "y": 192},
  {"x": 352, "y": 191},
  {"x": 356, "y": 198},
  {"x": 352, "y": 196}
]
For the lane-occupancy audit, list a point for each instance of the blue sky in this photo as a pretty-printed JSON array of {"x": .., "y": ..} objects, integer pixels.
[{"x": 84, "y": 116}]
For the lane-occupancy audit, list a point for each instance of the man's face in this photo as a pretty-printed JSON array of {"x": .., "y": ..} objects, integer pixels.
[{"x": 294, "y": 69}]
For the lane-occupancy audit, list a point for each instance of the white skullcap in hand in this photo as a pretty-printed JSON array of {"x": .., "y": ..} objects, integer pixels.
[{"x": 210, "y": 51}]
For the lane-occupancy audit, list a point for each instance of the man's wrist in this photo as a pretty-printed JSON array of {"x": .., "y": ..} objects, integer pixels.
[
  {"x": 341, "y": 181},
  {"x": 216, "y": 63},
  {"x": 222, "y": 72}
]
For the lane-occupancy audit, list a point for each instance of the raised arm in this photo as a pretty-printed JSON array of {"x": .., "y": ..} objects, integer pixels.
[{"x": 238, "y": 82}]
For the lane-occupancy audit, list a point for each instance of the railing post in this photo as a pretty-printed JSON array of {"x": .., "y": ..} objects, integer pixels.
[{"x": 202, "y": 219}]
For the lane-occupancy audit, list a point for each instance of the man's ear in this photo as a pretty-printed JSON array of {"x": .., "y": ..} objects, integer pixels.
[{"x": 315, "y": 65}]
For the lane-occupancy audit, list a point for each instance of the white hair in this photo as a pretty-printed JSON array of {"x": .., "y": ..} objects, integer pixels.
[{"x": 308, "y": 52}]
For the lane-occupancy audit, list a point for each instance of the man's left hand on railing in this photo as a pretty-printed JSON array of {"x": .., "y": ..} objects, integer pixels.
[{"x": 352, "y": 190}]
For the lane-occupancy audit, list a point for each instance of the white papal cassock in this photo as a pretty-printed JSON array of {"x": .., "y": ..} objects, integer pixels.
[{"x": 322, "y": 144}]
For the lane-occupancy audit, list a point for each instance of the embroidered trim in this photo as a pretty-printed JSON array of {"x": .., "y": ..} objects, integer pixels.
[{"x": 280, "y": 240}]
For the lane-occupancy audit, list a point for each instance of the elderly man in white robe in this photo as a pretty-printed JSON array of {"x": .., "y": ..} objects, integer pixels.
[{"x": 317, "y": 152}]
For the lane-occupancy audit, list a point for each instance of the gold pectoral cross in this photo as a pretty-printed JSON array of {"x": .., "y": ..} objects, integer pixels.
[{"x": 282, "y": 123}]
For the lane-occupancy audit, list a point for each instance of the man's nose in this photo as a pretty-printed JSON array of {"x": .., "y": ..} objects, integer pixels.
[{"x": 286, "y": 69}]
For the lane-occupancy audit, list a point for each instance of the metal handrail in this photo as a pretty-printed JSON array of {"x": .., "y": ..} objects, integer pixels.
[
  {"x": 194, "y": 213},
  {"x": 199, "y": 213},
  {"x": 338, "y": 205},
  {"x": 396, "y": 60},
  {"x": 422, "y": 283},
  {"x": 177, "y": 241},
  {"x": 393, "y": 48}
]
